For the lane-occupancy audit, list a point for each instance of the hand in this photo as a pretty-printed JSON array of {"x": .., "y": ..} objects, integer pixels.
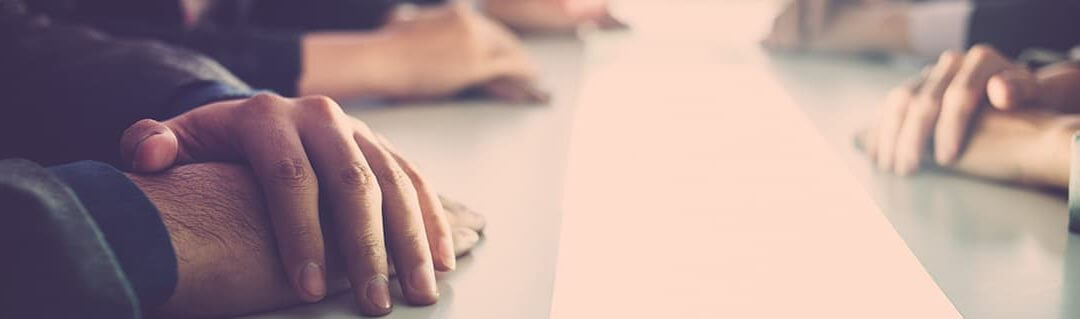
[
  {"x": 303, "y": 149},
  {"x": 840, "y": 26},
  {"x": 943, "y": 104},
  {"x": 1029, "y": 147},
  {"x": 552, "y": 15},
  {"x": 228, "y": 263},
  {"x": 422, "y": 53}
]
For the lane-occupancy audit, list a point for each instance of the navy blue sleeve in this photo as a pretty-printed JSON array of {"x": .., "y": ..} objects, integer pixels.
[
  {"x": 131, "y": 224},
  {"x": 202, "y": 93},
  {"x": 1011, "y": 26}
]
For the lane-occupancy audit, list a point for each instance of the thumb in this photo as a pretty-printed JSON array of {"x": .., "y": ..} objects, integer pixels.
[
  {"x": 1012, "y": 88},
  {"x": 149, "y": 146}
]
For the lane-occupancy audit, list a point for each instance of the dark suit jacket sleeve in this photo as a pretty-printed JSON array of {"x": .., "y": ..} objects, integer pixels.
[
  {"x": 265, "y": 59},
  {"x": 79, "y": 242},
  {"x": 1014, "y": 25},
  {"x": 68, "y": 92}
]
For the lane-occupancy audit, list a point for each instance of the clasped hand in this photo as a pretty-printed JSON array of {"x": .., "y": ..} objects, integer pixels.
[{"x": 301, "y": 149}]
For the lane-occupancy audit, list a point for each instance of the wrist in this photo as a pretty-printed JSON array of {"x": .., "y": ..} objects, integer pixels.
[
  {"x": 348, "y": 64},
  {"x": 1050, "y": 163}
]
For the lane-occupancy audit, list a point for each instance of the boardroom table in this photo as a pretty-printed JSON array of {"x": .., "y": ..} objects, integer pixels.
[{"x": 680, "y": 171}]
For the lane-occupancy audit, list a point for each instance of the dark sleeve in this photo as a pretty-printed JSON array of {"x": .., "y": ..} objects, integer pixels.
[
  {"x": 320, "y": 14},
  {"x": 1012, "y": 26},
  {"x": 264, "y": 59},
  {"x": 131, "y": 225},
  {"x": 57, "y": 263},
  {"x": 68, "y": 92},
  {"x": 260, "y": 40}
]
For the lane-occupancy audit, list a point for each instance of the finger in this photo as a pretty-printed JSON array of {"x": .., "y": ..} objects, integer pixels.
[
  {"x": 785, "y": 33},
  {"x": 1057, "y": 87},
  {"x": 355, "y": 200},
  {"x": 912, "y": 141},
  {"x": 897, "y": 98},
  {"x": 962, "y": 96},
  {"x": 892, "y": 119},
  {"x": 288, "y": 180},
  {"x": 404, "y": 221},
  {"x": 607, "y": 21},
  {"x": 435, "y": 223},
  {"x": 1012, "y": 88},
  {"x": 464, "y": 240},
  {"x": 516, "y": 91},
  {"x": 815, "y": 16},
  {"x": 461, "y": 215},
  {"x": 149, "y": 146}
]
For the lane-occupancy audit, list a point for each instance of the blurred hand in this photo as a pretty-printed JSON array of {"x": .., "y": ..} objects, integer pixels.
[
  {"x": 1029, "y": 147},
  {"x": 302, "y": 149},
  {"x": 840, "y": 26},
  {"x": 228, "y": 263},
  {"x": 552, "y": 15},
  {"x": 941, "y": 107},
  {"x": 421, "y": 53}
]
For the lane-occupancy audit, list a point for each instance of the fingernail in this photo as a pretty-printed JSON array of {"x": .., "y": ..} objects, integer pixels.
[
  {"x": 135, "y": 151},
  {"x": 423, "y": 281},
  {"x": 446, "y": 248},
  {"x": 312, "y": 280},
  {"x": 378, "y": 292}
]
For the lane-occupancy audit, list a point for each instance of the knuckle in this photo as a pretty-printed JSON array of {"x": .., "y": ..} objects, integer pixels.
[
  {"x": 265, "y": 98},
  {"x": 413, "y": 237},
  {"x": 322, "y": 107},
  {"x": 948, "y": 57},
  {"x": 357, "y": 174},
  {"x": 302, "y": 233},
  {"x": 394, "y": 176},
  {"x": 369, "y": 243},
  {"x": 981, "y": 51},
  {"x": 262, "y": 104},
  {"x": 292, "y": 172}
]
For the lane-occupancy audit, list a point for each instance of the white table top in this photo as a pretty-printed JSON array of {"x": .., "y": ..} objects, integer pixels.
[
  {"x": 997, "y": 251},
  {"x": 683, "y": 181}
]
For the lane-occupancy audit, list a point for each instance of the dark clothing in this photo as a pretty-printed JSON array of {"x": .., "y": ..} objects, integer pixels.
[
  {"x": 57, "y": 263},
  {"x": 1014, "y": 25},
  {"x": 80, "y": 240},
  {"x": 258, "y": 40},
  {"x": 68, "y": 92}
]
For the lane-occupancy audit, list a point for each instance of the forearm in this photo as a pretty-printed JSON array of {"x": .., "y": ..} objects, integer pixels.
[
  {"x": 227, "y": 260},
  {"x": 351, "y": 64}
]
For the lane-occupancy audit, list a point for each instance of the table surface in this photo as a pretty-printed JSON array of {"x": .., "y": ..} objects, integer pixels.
[{"x": 681, "y": 172}]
